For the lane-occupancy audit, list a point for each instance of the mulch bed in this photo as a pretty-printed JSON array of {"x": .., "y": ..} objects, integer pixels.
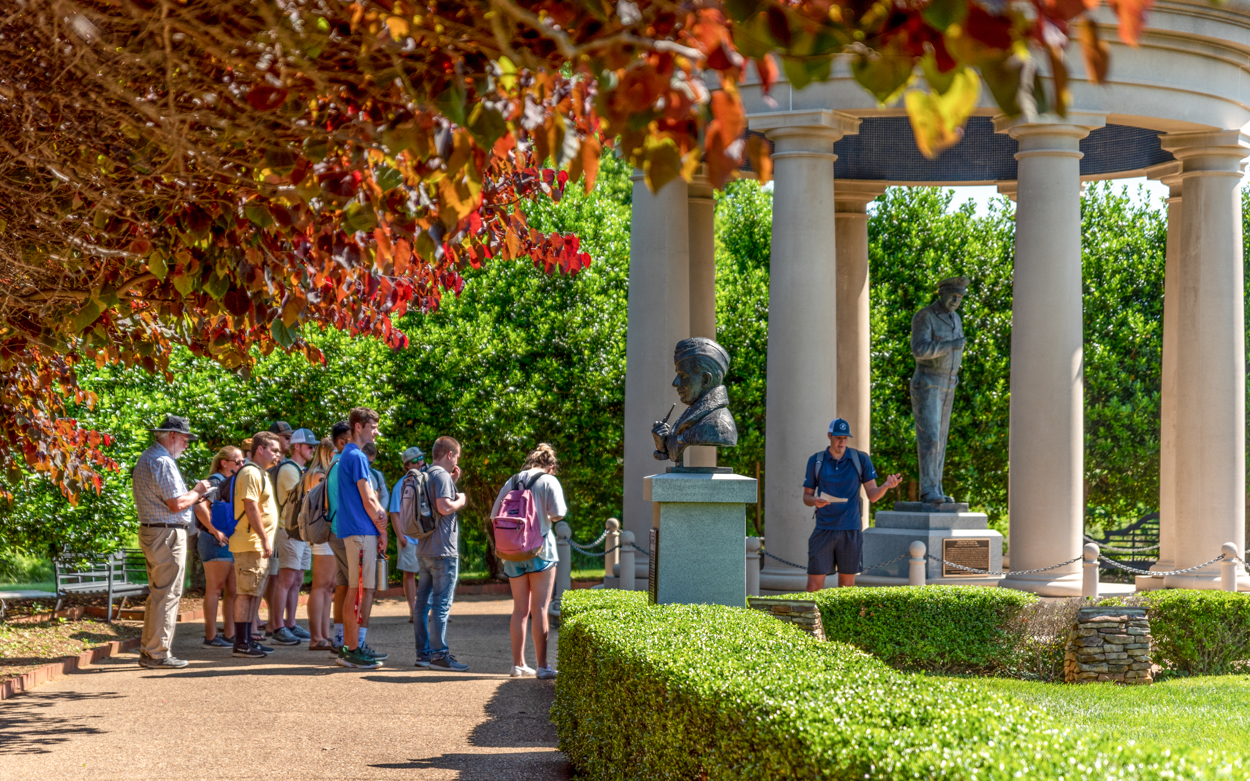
[{"x": 26, "y": 646}]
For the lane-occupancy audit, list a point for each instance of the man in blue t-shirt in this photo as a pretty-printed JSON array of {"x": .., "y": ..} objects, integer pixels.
[
  {"x": 837, "y": 542},
  {"x": 360, "y": 522}
]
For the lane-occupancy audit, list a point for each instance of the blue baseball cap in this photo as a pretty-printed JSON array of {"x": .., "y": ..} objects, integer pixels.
[{"x": 840, "y": 428}]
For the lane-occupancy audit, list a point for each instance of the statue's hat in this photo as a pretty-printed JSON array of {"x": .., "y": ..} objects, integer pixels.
[
  {"x": 702, "y": 346},
  {"x": 958, "y": 283}
]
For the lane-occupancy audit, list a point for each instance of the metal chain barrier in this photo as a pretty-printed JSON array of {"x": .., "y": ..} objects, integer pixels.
[
  {"x": 592, "y": 553},
  {"x": 643, "y": 551},
  {"x": 1113, "y": 549},
  {"x": 1147, "y": 572},
  {"x": 582, "y": 546},
  {"x": 888, "y": 563},
  {"x": 783, "y": 561},
  {"x": 1009, "y": 572}
]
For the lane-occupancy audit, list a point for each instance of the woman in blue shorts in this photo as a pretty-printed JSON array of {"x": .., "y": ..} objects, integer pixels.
[
  {"x": 532, "y": 581},
  {"x": 214, "y": 550}
]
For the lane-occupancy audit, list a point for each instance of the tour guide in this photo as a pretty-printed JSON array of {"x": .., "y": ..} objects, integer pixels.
[{"x": 838, "y": 539}]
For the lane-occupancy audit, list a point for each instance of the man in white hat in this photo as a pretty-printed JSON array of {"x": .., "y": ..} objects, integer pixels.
[{"x": 163, "y": 505}]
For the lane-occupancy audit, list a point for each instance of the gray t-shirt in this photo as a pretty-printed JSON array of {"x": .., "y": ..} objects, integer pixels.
[
  {"x": 445, "y": 541},
  {"x": 548, "y": 505}
]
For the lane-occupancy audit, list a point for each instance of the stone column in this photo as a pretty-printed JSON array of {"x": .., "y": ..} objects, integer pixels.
[
  {"x": 1210, "y": 376},
  {"x": 1174, "y": 267},
  {"x": 802, "y": 294},
  {"x": 702, "y": 210},
  {"x": 659, "y": 317},
  {"x": 854, "y": 340},
  {"x": 1046, "y": 449}
]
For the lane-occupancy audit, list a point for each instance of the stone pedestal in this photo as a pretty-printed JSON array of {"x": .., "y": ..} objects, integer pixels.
[
  {"x": 931, "y": 524},
  {"x": 1109, "y": 644},
  {"x": 698, "y": 527}
]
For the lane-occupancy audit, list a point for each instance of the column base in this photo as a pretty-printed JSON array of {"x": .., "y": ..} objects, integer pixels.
[
  {"x": 1205, "y": 581},
  {"x": 783, "y": 580},
  {"x": 1053, "y": 586}
]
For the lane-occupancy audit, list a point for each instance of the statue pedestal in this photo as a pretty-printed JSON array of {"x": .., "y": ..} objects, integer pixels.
[
  {"x": 698, "y": 528},
  {"x": 965, "y": 537}
]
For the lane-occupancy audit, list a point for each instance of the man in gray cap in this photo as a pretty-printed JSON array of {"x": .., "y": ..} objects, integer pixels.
[
  {"x": 163, "y": 505},
  {"x": 701, "y": 367},
  {"x": 414, "y": 460},
  {"x": 937, "y": 344}
]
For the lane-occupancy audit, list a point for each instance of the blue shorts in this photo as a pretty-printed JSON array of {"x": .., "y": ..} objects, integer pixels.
[
  {"x": 830, "y": 549},
  {"x": 515, "y": 569},
  {"x": 208, "y": 548}
]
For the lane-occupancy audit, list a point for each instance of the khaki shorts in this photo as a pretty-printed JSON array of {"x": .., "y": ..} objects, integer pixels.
[
  {"x": 251, "y": 570},
  {"x": 293, "y": 554},
  {"x": 356, "y": 545}
]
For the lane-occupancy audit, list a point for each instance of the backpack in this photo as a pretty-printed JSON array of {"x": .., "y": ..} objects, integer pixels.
[
  {"x": 859, "y": 472},
  {"x": 314, "y": 519},
  {"x": 222, "y": 512},
  {"x": 288, "y": 511},
  {"x": 417, "y": 517},
  {"x": 518, "y": 533},
  {"x": 273, "y": 478}
]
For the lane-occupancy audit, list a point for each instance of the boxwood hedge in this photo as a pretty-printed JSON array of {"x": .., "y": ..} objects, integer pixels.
[
  {"x": 710, "y": 692},
  {"x": 1199, "y": 632}
]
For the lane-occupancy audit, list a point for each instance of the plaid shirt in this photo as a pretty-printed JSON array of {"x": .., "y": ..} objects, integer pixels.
[{"x": 156, "y": 479}]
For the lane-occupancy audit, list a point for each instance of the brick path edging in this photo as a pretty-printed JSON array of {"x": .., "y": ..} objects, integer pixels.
[{"x": 63, "y": 667}]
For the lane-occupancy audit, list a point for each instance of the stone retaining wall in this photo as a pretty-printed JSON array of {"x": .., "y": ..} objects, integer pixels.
[
  {"x": 803, "y": 613},
  {"x": 1109, "y": 644}
]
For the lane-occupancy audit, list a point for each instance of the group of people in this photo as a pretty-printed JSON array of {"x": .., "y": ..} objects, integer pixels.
[{"x": 265, "y": 558}]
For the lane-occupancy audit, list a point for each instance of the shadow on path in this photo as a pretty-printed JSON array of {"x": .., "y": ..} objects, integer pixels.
[{"x": 27, "y": 728}]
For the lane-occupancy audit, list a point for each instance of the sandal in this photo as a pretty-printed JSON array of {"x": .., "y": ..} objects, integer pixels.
[{"x": 323, "y": 645}]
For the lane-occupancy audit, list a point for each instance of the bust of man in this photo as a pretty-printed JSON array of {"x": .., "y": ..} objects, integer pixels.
[{"x": 701, "y": 366}]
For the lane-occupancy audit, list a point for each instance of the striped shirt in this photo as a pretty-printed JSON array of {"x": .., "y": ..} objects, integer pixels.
[{"x": 156, "y": 479}]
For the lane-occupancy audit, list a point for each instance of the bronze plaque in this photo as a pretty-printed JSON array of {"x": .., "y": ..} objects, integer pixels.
[
  {"x": 968, "y": 552},
  {"x": 653, "y": 566}
]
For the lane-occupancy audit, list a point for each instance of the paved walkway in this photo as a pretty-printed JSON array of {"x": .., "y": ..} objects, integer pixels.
[{"x": 296, "y": 715}]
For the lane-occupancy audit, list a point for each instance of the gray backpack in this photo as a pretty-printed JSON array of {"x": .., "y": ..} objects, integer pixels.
[
  {"x": 417, "y": 517},
  {"x": 315, "y": 519},
  {"x": 859, "y": 472}
]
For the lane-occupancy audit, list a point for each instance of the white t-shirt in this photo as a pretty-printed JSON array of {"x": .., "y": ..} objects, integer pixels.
[{"x": 548, "y": 504}]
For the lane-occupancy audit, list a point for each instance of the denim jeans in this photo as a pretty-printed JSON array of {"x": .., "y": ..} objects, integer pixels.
[{"x": 436, "y": 587}]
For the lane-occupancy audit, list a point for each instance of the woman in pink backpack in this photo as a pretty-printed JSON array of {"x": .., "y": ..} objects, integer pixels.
[{"x": 532, "y": 580}]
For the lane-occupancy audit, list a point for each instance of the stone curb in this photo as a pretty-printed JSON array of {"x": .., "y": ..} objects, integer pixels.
[{"x": 66, "y": 665}]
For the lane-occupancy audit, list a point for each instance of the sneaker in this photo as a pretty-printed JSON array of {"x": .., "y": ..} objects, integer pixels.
[
  {"x": 249, "y": 652},
  {"x": 284, "y": 637},
  {"x": 264, "y": 649},
  {"x": 546, "y": 673},
  {"x": 218, "y": 642},
  {"x": 299, "y": 632},
  {"x": 368, "y": 651},
  {"x": 422, "y": 662},
  {"x": 168, "y": 663},
  {"x": 354, "y": 658},
  {"x": 524, "y": 671},
  {"x": 448, "y": 662},
  {"x": 336, "y": 650}
]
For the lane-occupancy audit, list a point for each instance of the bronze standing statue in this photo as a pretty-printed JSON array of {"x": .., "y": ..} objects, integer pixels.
[
  {"x": 701, "y": 366},
  {"x": 937, "y": 344}
]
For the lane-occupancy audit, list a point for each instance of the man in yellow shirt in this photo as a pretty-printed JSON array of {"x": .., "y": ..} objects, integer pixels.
[{"x": 253, "y": 538}]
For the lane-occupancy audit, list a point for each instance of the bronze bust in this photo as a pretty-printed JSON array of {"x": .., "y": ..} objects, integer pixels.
[{"x": 701, "y": 366}]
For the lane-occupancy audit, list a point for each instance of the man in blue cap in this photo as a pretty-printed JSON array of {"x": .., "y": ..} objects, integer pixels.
[{"x": 837, "y": 542}]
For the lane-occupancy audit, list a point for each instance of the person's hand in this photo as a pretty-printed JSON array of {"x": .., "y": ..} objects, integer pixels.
[
  {"x": 820, "y": 501},
  {"x": 455, "y": 473},
  {"x": 381, "y": 544},
  {"x": 403, "y": 541},
  {"x": 221, "y": 538},
  {"x": 202, "y": 487},
  {"x": 893, "y": 481},
  {"x": 266, "y": 551}
]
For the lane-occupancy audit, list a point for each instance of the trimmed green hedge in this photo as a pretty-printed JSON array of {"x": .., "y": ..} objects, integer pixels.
[
  {"x": 710, "y": 692},
  {"x": 1199, "y": 632},
  {"x": 964, "y": 629}
]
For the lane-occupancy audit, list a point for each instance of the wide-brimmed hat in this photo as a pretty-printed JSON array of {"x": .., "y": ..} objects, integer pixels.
[
  {"x": 412, "y": 455},
  {"x": 175, "y": 425}
]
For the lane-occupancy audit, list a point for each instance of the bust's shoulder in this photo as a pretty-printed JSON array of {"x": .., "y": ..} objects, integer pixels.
[{"x": 715, "y": 427}]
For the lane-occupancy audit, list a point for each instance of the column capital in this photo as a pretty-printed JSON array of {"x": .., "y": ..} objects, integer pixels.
[
  {"x": 700, "y": 187},
  {"x": 1208, "y": 153},
  {"x": 804, "y": 133},
  {"x": 1009, "y": 189},
  {"x": 854, "y": 197},
  {"x": 1050, "y": 123},
  {"x": 1168, "y": 173}
]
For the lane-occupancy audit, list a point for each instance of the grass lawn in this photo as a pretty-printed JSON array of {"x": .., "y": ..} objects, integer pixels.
[{"x": 1203, "y": 713}]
